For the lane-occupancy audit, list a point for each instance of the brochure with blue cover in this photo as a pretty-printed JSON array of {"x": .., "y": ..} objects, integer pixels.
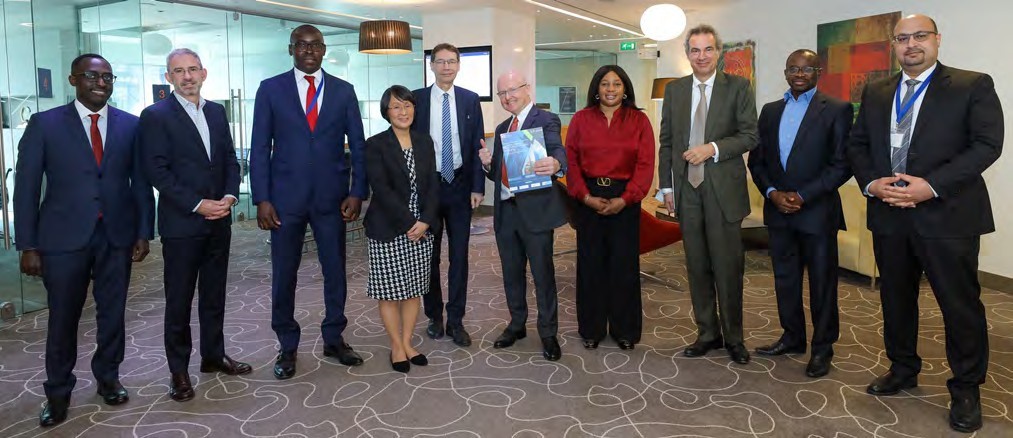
[{"x": 521, "y": 149}]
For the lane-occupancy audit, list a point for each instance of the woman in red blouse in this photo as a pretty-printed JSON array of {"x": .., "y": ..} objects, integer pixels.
[{"x": 610, "y": 149}]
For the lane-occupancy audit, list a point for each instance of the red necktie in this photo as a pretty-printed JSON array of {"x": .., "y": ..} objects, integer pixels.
[
  {"x": 506, "y": 180},
  {"x": 96, "y": 139},
  {"x": 311, "y": 113}
]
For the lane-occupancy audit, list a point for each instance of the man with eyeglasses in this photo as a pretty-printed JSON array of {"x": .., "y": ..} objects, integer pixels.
[
  {"x": 96, "y": 216},
  {"x": 798, "y": 165},
  {"x": 188, "y": 155},
  {"x": 299, "y": 176},
  {"x": 918, "y": 149},
  {"x": 524, "y": 222},
  {"x": 453, "y": 117}
]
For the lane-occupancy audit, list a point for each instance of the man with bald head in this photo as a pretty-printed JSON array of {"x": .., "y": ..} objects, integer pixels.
[
  {"x": 918, "y": 149},
  {"x": 524, "y": 222}
]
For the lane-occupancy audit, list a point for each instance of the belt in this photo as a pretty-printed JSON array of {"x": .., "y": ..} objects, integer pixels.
[
  {"x": 457, "y": 173},
  {"x": 603, "y": 181}
]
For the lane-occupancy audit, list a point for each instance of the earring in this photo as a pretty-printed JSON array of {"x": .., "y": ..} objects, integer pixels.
[
  {"x": 624, "y": 96},
  {"x": 596, "y": 97}
]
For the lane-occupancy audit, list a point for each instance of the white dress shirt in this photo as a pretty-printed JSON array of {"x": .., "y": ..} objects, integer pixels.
[
  {"x": 436, "y": 126},
  {"x": 103, "y": 121},
  {"x": 303, "y": 85},
  {"x": 196, "y": 113}
]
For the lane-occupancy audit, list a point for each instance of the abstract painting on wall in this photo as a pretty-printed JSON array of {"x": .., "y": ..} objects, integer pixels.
[
  {"x": 855, "y": 52},
  {"x": 739, "y": 59}
]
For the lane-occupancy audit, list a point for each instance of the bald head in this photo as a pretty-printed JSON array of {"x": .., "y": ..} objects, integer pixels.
[
  {"x": 513, "y": 91},
  {"x": 916, "y": 43}
]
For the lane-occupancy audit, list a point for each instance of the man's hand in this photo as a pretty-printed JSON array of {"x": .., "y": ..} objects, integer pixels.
[
  {"x": 613, "y": 206},
  {"x": 267, "y": 218},
  {"x": 485, "y": 155},
  {"x": 350, "y": 208},
  {"x": 213, "y": 210},
  {"x": 417, "y": 231},
  {"x": 547, "y": 166},
  {"x": 670, "y": 203},
  {"x": 476, "y": 200},
  {"x": 786, "y": 202},
  {"x": 698, "y": 154},
  {"x": 140, "y": 250},
  {"x": 915, "y": 191},
  {"x": 31, "y": 263}
]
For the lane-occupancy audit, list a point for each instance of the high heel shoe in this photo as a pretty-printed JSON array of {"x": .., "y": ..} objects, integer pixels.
[
  {"x": 402, "y": 367},
  {"x": 590, "y": 344},
  {"x": 419, "y": 359}
]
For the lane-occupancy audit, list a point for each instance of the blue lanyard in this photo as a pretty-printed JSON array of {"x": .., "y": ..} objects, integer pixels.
[
  {"x": 901, "y": 112},
  {"x": 313, "y": 103}
]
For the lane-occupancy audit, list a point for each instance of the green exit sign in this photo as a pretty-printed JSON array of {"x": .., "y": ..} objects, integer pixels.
[{"x": 628, "y": 45}]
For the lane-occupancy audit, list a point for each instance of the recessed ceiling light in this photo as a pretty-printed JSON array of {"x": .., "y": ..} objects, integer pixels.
[
  {"x": 322, "y": 11},
  {"x": 574, "y": 15}
]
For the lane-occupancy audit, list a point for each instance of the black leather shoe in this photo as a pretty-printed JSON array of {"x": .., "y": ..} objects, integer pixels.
[
  {"x": 225, "y": 365},
  {"x": 461, "y": 337},
  {"x": 965, "y": 413},
  {"x": 53, "y": 413},
  {"x": 625, "y": 344},
  {"x": 419, "y": 359},
  {"x": 890, "y": 384},
  {"x": 590, "y": 344},
  {"x": 550, "y": 348},
  {"x": 113, "y": 393},
  {"x": 435, "y": 329},
  {"x": 402, "y": 367},
  {"x": 819, "y": 365},
  {"x": 738, "y": 353},
  {"x": 180, "y": 388},
  {"x": 778, "y": 348},
  {"x": 344, "y": 353},
  {"x": 508, "y": 337},
  {"x": 284, "y": 365},
  {"x": 700, "y": 348}
]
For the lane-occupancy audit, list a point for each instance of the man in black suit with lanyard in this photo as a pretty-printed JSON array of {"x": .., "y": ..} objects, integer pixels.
[{"x": 919, "y": 146}]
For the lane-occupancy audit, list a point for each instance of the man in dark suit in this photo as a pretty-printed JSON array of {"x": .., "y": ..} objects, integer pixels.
[
  {"x": 299, "y": 176},
  {"x": 189, "y": 158},
  {"x": 524, "y": 222},
  {"x": 708, "y": 122},
  {"x": 452, "y": 116},
  {"x": 919, "y": 159},
  {"x": 96, "y": 216},
  {"x": 798, "y": 165}
]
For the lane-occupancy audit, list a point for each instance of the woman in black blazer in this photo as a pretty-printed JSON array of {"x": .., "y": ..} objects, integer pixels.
[{"x": 401, "y": 171}]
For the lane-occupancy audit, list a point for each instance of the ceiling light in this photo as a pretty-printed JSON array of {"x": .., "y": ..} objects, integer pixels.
[
  {"x": 384, "y": 37},
  {"x": 582, "y": 17},
  {"x": 339, "y": 14},
  {"x": 663, "y": 22}
]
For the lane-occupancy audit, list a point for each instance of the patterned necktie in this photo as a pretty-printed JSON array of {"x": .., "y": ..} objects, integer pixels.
[
  {"x": 506, "y": 180},
  {"x": 96, "y": 139},
  {"x": 696, "y": 137},
  {"x": 898, "y": 159},
  {"x": 446, "y": 143},
  {"x": 311, "y": 107}
]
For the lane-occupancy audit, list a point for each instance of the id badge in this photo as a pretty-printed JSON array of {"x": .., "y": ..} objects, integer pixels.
[{"x": 896, "y": 138}]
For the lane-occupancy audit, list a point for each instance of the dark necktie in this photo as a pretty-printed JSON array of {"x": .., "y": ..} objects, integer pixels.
[
  {"x": 96, "y": 139},
  {"x": 311, "y": 107},
  {"x": 446, "y": 142},
  {"x": 506, "y": 180}
]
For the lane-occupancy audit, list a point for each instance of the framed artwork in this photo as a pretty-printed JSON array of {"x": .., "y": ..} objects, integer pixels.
[
  {"x": 855, "y": 52},
  {"x": 45, "y": 83},
  {"x": 567, "y": 100},
  {"x": 739, "y": 59}
]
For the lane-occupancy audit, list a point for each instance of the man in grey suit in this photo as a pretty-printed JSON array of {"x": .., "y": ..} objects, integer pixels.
[{"x": 708, "y": 122}]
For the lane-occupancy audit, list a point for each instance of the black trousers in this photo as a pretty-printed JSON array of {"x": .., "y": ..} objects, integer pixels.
[
  {"x": 793, "y": 252},
  {"x": 200, "y": 262},
  {"x": 66, "y": 276},
  {"x": 455, "y": 218},
  {"x": 608, "y": 269},
  {"x": 518, "y": 246},
  {"x": 951, "y": 266}
]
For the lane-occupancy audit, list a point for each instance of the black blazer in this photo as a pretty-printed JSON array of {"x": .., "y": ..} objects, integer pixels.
[
  {"x": 470, "y": 129},
  {"x": 958, "y": 134},
  {"x": 388, "y": 215},
  {"x": 540, "y": 210},
  {"x": 177, "y": 164},
  {"x": 817, "y": 165}
]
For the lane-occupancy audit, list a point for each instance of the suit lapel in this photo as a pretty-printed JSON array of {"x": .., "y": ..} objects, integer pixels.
[
  {"x": 530, "y": 119},
  {"x": 398, "y": 153},
  {"x": 79, "y": 136},
  {"x": 422, "y": 111},
  {"x": 188, "y": 125},
  {"x": 462, "y": 117},
  {"x": 295, "y": 101},
  {"x": 684, "y": 94},
  {"x": 715, "y": 111},
  {"x": 812, "y": 114},
  {"x": 926, "y": 113},
  {"x": 775, "y": 127}
]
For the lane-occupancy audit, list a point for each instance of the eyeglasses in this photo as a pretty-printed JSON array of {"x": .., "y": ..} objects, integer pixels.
[
  {"x": 406, "y": 107},
  {"x": 303, "y": 46},
  {"x": 93, "y": 76},
  {"x": 919, "y": 36},
  {"x": 511, "y": 91},
  {"x": 794, "y": 70},
  {"x": 442, "y": 62},
  {"x": 193, "y": 70}
]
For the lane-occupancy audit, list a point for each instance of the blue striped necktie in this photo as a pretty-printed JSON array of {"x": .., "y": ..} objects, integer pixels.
[{"x": 447, "y": 154}]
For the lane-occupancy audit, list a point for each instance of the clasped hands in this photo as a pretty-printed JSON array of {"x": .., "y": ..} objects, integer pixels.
[
  {"x": 603, "y": 206},
  {"x": 786, "y": 202},
  {"x": 916, "y": 191},
  {"x": 216, "y": 209}
]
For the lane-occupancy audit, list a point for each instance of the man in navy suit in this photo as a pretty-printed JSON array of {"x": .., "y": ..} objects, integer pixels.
[
  {"x": 300, "y": 176},
  {"x": 799, "y": 164},
  {"x": 188, "y": 156},
  {"x": 524, "y": 222},
  {"x": 453, "y": 117},
  {"x": 96, "y": 217}
]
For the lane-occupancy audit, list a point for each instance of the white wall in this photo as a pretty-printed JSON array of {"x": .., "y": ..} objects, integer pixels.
[{"x": 971, "y": 31}]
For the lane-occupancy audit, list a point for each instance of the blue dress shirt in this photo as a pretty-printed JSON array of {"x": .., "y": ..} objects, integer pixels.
[{"x": 791, "y": 119}]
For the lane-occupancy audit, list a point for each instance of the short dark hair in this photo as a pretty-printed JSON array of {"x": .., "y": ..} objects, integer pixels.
[
  {"x": 806, "y": 52},
  {"x": 703, "y": 29},
  {"x": 80, "y": 60},
  {"x": 399, "y": 92},
  {"x": 303, "y": 28},
  {"x": 446, "y": 46},
  {"x": 592, "y": 89}
]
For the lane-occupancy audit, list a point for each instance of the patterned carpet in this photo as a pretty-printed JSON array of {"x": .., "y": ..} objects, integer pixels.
[{"x": 651, "y": 391}]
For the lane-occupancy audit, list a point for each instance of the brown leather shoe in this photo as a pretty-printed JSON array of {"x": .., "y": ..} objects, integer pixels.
[
  {"x": 225, "y": 365},
  {"x": 180, "y": 388}
]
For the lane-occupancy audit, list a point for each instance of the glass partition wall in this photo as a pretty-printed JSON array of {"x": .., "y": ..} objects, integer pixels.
[
  {"x": 562, "y": 76},
  {"x": 41, "y": 37}
]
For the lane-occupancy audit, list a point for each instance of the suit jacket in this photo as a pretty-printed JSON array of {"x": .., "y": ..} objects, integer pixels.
[
  {"x": 178, "y": 166},
  {"x": 299, "y": 170},
  {"x": 731, "y": 123},
  {"x": 56, "y": 148},
  {"x": 470, "y": 129},
  {"x": 817, "y": 165},
  {"x": 958, "y": 134},
  {"x": 540, "y": 210},
  {"x": 388, "y": 215}
]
